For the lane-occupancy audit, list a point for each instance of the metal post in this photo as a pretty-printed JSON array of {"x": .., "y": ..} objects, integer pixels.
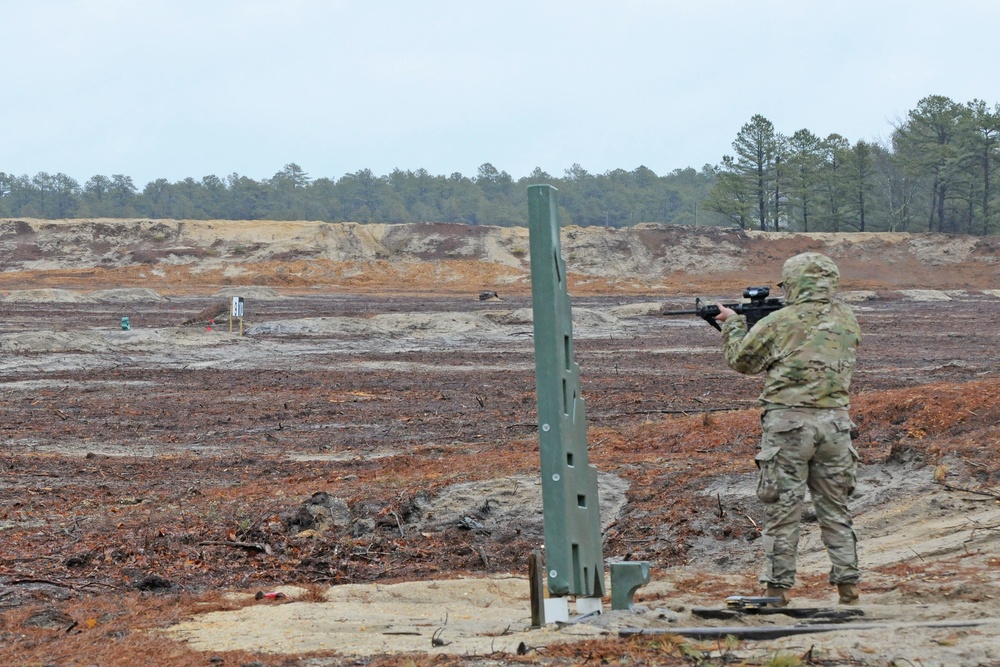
[
  {"x": 535, "y": 588},
  {"x": 573, "y": 549}
]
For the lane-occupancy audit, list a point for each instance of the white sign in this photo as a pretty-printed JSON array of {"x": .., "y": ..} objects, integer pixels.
[{"x": 237, "y": 306}]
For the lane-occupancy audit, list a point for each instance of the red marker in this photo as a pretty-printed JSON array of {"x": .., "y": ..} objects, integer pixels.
[{"x": 274, "y": 595}]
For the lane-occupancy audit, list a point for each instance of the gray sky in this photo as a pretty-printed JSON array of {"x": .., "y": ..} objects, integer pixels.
[{"x": 177, "y": 88}]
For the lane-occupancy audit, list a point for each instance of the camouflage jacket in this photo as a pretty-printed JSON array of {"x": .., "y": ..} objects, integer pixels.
[{"x": 808, "y": 348}]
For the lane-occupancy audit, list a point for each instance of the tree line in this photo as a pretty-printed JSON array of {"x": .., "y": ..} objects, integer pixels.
[
  {"x": 491, "y": 197},
  {"x": 934, "y": 174}
]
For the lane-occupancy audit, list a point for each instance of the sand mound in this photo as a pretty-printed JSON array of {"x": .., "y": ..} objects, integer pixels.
[
  {"x": 257, "y": 292},
  {"x": 43, "y": 296},
  {"x": 127, "y": 295},
  {"x": 925, "y": 295},
  {"x": 509, "y": 503},
  {"x": 155, "y": 340}
]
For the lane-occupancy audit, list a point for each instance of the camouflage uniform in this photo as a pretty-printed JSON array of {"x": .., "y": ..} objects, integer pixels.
[{"x": 808, "y": 351}]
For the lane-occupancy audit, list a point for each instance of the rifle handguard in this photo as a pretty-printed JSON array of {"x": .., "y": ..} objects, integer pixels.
[{"x": 759, "y": 307}]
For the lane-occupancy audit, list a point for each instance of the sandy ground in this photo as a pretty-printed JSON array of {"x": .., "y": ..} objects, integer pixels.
[
  {"x": 902, "y": 515},
  {"x": 930, "y": 553}
]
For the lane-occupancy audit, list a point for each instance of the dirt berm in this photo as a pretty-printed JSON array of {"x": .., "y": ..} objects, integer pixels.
[{"x": 450, "y": 258}]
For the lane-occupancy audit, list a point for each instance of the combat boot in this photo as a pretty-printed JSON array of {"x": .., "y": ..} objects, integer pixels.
[
  {"x": 773, "y": 592},
  {"x": 848, "y": 593}
]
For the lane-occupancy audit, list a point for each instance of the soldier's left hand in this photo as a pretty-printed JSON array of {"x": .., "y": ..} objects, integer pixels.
[{"x": 724, "y": 313}]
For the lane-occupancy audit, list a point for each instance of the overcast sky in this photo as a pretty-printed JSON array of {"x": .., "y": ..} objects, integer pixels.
[{"x": 178, "y": 88}]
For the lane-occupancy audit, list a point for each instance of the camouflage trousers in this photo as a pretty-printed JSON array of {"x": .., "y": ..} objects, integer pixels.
[{"x": 807, "y": 448}]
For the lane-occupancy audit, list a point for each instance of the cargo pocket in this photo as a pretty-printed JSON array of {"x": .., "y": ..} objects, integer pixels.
[
  {"x": 844, "y": 425},
  {"x": 767, "y": 485},
  {"x": 852, "y": 474}
]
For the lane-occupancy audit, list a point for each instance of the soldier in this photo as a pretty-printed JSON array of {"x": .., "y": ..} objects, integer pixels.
[{"x": 808, "y": 351}]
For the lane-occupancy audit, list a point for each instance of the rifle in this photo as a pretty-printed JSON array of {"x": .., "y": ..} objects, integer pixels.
[{"x": 759, "y": 307}]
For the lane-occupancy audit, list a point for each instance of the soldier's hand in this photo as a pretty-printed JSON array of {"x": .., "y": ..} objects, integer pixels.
[{"x": 724, "y": 313}]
